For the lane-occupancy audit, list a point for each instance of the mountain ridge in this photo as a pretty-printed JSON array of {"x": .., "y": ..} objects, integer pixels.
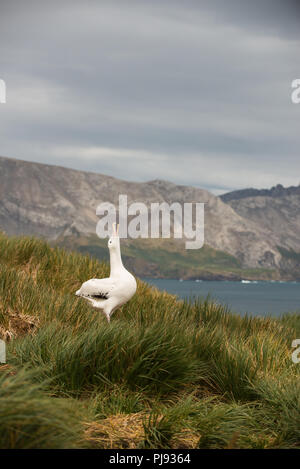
[
  {"x": 275, "y": 191},
  {"x": 57, "y": 202}
]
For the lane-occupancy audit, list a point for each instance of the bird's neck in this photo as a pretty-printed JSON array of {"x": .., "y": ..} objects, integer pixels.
[{"x": 115, "y": 261}]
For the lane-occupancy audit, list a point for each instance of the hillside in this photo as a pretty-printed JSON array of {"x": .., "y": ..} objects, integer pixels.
[
  {"x": 162, "y": 374},
  {"x": 161, "y": 258},
  {"x": 276, "y": 209},
  {"x": 59, "y": 204}
]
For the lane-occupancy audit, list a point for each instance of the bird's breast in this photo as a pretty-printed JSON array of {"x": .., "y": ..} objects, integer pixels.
[{"x": 125, "y": 285}]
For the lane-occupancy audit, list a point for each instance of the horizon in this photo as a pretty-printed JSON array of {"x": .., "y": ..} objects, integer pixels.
[{"x": 149, "y": 181}]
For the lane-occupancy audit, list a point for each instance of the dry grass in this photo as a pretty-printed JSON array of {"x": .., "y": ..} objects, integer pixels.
[
  {"x": 127, "y": 431},
  {"x": 18, "y": 325},
  {"x": 185, "y": 439},
  {"x": 119, "y": 431}
]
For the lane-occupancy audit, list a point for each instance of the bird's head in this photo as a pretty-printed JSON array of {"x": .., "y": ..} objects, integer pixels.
[{"x": 114, "y": 240}]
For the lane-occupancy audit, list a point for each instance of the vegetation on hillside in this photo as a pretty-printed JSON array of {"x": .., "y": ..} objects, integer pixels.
[
  {"x": 163, "y": 374},
  {"x": 163, "y": 258}
]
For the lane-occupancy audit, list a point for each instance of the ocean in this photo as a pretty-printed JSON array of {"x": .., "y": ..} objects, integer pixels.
[{"x": 256, "y": 298}]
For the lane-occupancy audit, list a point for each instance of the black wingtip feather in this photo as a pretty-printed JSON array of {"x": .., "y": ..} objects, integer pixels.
[{"x": 100, "y": 296}]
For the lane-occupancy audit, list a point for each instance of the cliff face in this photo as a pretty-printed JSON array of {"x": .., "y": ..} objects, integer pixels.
[
  {"x": 277, "y": 209},
  {"x": 54, "y": 202}
]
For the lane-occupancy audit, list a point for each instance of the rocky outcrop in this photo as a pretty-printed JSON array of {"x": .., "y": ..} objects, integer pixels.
[
  {"x": 276, "y": 210},
  {"x": 276, "y": 191}
]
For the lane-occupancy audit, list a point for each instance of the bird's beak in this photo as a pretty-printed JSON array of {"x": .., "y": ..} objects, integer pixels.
[
  {"x": 77, "y": 293},
  {"x": 115, "y": 228}
]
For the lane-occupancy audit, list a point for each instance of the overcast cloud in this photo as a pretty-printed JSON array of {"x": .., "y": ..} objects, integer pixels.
[{"x": 195, "y": 92}]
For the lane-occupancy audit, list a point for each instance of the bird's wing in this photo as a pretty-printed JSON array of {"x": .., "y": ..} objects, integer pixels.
[{"x": 97, "y": 288}]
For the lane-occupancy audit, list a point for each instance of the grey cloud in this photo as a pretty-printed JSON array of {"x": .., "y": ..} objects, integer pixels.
[{"x": 202, "y": 88}]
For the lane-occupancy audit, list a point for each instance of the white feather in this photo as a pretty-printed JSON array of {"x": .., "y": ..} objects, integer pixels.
[{"x": 110, "y": 293}]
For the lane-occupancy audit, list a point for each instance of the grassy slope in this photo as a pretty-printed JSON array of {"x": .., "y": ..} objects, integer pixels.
[
  {"x": 168, "y": 260},
  {"x": 163, "y": 374}
]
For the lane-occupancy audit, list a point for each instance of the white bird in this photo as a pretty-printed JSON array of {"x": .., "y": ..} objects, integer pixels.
[{"x": 110, "y": 293}]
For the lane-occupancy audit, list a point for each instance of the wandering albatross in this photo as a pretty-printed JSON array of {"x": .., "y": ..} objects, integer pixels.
[{"x": 110, "y": 293}]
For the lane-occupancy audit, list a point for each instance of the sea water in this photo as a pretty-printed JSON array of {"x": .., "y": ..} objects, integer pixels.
[{"x": 257, "y": 298}]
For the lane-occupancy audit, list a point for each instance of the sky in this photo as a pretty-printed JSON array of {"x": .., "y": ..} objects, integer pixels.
[{"x": 193, "y": 92}]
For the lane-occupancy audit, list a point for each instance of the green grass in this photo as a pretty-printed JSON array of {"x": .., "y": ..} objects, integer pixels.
[
  {"x": 163, "y": 374},
  {"x": 31, "y": 418}
]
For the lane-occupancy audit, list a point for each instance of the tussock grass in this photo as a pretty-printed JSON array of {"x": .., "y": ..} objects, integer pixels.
[
  {"x": 163, "y": 374},
  {"x": 145, "y": 358},
  {"x": 29, "y": 418}
]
